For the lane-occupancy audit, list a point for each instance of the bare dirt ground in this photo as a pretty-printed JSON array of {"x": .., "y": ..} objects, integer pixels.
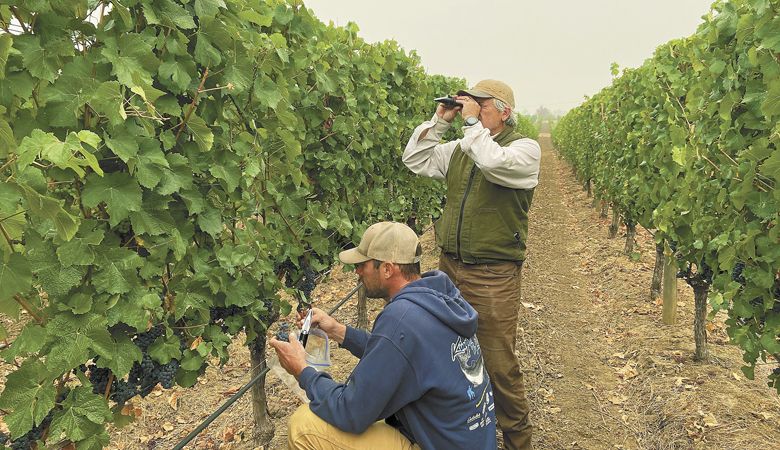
[{"x": 602, "y": 371}]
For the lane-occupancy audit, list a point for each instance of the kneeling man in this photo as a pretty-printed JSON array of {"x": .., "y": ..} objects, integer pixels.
[{"x": 420, "y": 368}]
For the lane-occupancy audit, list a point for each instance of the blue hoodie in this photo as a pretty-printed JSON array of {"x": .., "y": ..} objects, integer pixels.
[{"x": 421, "y": 363}]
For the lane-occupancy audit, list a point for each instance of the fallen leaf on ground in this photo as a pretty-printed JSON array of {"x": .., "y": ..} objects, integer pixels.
[
  {"x": 617, "y": 399},
  {"x": 627, "y": 372},
  {"x": 167, "y": 426},
  {"x": 710, "y": 420},
  {"x": 173, "y": 401}
]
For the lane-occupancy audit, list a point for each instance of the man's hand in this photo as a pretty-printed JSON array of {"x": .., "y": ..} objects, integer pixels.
[
  {"x": 335, "y": 330},
  {"x": 470, "y": 106},
  {"x": 447, "y": 114},
  {"x": 292, "y": 356}
]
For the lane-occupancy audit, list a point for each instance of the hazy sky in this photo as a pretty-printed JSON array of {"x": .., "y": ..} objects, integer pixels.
[{"x": 551, "y": 52}]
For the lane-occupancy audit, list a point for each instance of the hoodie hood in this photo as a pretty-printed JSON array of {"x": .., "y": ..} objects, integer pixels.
[{"x": 437, "y": 294}]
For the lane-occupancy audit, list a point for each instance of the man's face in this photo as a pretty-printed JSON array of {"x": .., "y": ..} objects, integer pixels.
[
  {"x": 371, "y": 278},
  {"x": 489, "y": 115}
]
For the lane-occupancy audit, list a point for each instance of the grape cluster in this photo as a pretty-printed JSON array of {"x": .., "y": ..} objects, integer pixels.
[
  {"x": 284, "y": 332},
  {"x": 308, "y": 282},
  {"x": 736, "y": 273},
  {"x": 27, "y": 441},
  {"x": 143, "y": 377},
  {"x": 701, "y": 278}
]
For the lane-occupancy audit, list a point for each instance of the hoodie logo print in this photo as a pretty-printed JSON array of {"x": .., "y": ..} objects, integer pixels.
[{"x": 469, "y": 357}]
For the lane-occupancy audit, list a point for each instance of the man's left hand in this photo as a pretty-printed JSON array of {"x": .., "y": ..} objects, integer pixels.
[
  {"x": 470, "y": 106},
  {"x": 292, "y": 356}
]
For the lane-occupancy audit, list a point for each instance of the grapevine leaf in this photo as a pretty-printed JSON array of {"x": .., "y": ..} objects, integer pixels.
[
  {"x": 55, "y": 279},
  {"x": 81, "y": 411},
  {"x": 119, "y": 191},
  {"x": 15, "y": 275},
  {"x": 30, "y": 340},
  {"x": 210, "y": 221},
  {"x": 135, "y": 309},
  {"x": 108, "y": 100},
  {"x": 43, "y": 62},
  {"x": 30, "y": 393},
  {"x": 201, "y": 133},
  {"x": 131, "y": 58},
  {"x": 122, "y": 143},
  {"x": 174, "y": 75},
  {"x": 66, "y": 224},
  {"x": 178, "y": 176},
  {"x": 205, "y": 53},
  {"x": 120, "y": 356},
  {"x": 208, "y": 8},
  {"x": 79, "y": 250},
  {"x": 152, "y": 222},
  {"x": 117, "y": 270},
  {"x": 6, "y": 41},
  {"x": 192, "y": 360},
  {"x": 165, "y": 349},
  {"x": 7, "y": 140},
  {"x": 148, "y": 165},
  {"x": 771, "y": 105},
  {"x": 73, "y": 337}
]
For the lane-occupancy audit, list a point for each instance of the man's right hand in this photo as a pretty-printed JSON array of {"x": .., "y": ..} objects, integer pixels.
[
  {"x": 447, "y": 114},
  {"x": 335, "y": 330}
]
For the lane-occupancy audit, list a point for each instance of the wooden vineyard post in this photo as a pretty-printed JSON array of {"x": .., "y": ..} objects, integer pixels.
[
  {"x": 670, "y": 288},
  {"x": 700, "y": 291},
  {"x": 658, "y": 272},
  {"x": 604, "y": 209},
  {"x": 362, "y": 309},
  {"x": 264, "y": 428}
]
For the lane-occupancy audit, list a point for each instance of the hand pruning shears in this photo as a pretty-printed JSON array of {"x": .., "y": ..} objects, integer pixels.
[{"x": 304, "y": 336}]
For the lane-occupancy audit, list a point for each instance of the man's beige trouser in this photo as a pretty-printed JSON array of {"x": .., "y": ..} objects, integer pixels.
[
  {"x": 494, "y": 291},
  {"x": 307, "y": 431}
]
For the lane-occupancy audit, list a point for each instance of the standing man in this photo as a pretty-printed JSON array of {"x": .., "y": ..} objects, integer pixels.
[
  {"x": 490, "y": 174},
  {"x": 420, "y": 368}
]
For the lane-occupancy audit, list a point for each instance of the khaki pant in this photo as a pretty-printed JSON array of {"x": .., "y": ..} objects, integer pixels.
[
  {"x": 307, "y": 431},
  {"x": 494, "y": 291}
]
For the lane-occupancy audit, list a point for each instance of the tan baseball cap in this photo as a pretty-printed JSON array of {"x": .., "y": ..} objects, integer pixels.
[
  {"x": 385, "y": 241},
  {"x": 492, "y": 89}
]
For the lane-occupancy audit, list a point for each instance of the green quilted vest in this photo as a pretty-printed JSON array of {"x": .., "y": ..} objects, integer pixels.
[{"x": 482, "y": 221}]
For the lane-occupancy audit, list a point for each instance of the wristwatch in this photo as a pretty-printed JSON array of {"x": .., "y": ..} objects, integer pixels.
[{"x": 471, "y": 120}]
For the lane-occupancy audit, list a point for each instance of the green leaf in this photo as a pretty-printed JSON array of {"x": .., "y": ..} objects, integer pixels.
[
  {"x": 152, "y": 222},
  {"x": 210, "y": 221},
  {"x": 208, "y": 8},
  {"x": 79, "y": 251},
  {"x": 7, "y": 140},
  {"x": 120, "y": 356},
  {"x": 117, "y": 273},
  {"x": 122, "y": 143},
  {"x": 201, "y": 133},
  {"x": 66, "y": 224},
  {"x": 771, "y": 104},
  {"x": 15, "y": 275},
  {"x": 175, "y": 76},
  {"x": 81, "y": 412},
  {"x": 30, "y": 393},
  {"x": 43, "y": 62},
  {"x": 108, "y": 101},
  {"x": 6, "y": 41},
  {"x": 165, "y": 348},
  {"x": 191, "y": 361},
  {"x": 118, "y": 191},
  {"x": 30, "y": 340},
  {"x": 72, "y": 337},
  {"x": 136, "y": 309},
  {"x": 132, "y": 59},
  {"x": 205, "y": 53}
]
